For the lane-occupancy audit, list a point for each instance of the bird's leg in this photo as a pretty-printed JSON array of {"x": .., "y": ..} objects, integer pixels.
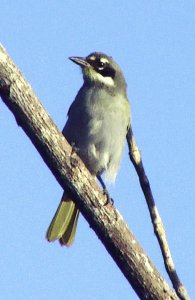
[
  {"x": 105, "y": 191},
  {"x": 73, "y": 158},
  {"x": 74, "y": 148}
]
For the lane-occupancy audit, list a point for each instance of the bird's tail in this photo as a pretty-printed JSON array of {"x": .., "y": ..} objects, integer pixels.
[{"x": 64, "y": 222}]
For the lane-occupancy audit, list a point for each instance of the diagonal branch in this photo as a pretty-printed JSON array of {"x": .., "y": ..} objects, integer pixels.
[
  {"x": 71, "y": 174},
  {"x": 159, "y": 229}
]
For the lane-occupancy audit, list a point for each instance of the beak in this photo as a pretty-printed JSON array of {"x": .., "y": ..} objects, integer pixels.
[{"x": 81, "y": 61}]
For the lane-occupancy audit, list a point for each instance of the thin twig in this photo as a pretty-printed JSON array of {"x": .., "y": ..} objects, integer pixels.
[{"x": 159, "y": 229}]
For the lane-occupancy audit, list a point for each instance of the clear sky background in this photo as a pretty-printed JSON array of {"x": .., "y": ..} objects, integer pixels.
[{"x": 153, "y": 42}]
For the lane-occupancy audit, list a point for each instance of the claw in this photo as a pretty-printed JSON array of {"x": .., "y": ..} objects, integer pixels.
[
  {"x": 109, "y": 199},
  {"x": 74, "y": 148},
  {"x": 105, "y": 191}
]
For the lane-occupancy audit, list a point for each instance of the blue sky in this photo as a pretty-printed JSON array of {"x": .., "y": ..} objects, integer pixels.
[{"x": 153, "y": 42}]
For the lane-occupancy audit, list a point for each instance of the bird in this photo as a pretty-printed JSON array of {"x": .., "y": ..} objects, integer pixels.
[{"x": 97, "y": 125}]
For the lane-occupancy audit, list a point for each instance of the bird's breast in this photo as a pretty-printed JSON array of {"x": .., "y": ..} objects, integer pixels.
[{"x": 97, "y": 125}]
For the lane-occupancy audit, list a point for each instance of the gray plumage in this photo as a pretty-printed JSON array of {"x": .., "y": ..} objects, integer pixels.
[{"x": 97, "y": 125}]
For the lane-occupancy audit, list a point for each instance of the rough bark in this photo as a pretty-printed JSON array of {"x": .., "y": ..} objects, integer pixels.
[{"x": 71, "y": 174}]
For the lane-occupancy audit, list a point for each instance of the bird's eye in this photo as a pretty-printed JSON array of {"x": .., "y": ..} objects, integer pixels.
[{"x": 100, "y": 64}]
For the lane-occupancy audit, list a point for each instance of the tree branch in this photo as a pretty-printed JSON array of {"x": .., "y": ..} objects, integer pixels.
[
  {"x": 159, "y": 229},
  {"x": 71, "y": 174}
]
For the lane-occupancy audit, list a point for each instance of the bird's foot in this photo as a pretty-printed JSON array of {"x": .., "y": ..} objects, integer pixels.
[
  {"x": 74, "y": 148},
  {"x": 109, "y": 199}
]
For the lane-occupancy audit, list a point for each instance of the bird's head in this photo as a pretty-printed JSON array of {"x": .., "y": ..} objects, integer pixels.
[{"x": 100, "y": 69}]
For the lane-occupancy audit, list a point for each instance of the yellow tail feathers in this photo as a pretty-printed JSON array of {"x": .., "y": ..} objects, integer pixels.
[{"x": 64, "y": 222}]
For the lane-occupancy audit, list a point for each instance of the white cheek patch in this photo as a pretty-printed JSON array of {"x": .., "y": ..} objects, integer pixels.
[
  {"x": 105, "y": 80},
  {"x": 95, "y": 76}
]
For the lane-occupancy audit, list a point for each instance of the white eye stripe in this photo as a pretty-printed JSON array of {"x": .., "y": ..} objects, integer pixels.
[
  {"x": 104, "y": 60},
  {"x": 93, "y": 57}
]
